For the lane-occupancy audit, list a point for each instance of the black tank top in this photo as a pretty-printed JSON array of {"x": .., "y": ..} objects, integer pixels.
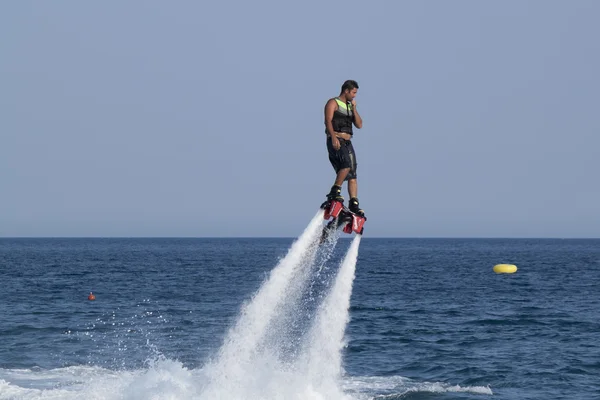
[{"x": 342, "y": 117}]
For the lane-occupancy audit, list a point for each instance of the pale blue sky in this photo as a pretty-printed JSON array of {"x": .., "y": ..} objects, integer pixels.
[{"x": 193, "y": 118}]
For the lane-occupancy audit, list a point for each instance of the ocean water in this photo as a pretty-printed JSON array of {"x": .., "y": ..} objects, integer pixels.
[{"x": 285, "y": 318}]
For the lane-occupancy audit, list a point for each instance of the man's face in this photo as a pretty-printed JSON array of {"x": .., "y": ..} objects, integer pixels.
[{"x": 351, "y": 94}]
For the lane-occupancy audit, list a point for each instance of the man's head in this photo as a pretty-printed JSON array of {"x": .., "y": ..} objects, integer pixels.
[{"x": 349, "y": 89}]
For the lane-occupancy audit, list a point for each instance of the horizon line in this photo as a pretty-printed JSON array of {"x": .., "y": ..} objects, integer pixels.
[{"x": 295, "y": 237}]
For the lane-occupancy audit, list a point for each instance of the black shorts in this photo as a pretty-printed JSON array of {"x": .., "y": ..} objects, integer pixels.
[{"x": 342, "y": 158}]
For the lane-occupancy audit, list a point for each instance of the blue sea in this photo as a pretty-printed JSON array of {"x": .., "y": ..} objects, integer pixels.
[{"x": 273, "y": 318}]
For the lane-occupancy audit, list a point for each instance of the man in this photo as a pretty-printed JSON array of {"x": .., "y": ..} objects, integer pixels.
[{"x": 340, "y": 115}]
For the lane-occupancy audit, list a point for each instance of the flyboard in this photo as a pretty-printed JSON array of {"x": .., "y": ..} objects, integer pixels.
[{"x": 341, "y": 217}]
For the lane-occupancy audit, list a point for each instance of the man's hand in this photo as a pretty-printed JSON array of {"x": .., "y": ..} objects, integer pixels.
[
  {"x": 335, "y": 143},
  {"x": 357, "y": 119}
]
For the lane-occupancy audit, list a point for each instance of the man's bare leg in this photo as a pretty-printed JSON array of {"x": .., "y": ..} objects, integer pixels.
[
  {"x": 352, "y": 188},
  {"x": 341, "y": 176},
  {"x": 353, "y": 192}
]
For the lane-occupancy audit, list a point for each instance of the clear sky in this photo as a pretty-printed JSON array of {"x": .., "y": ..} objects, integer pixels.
[{"x": 205, "y": 118}]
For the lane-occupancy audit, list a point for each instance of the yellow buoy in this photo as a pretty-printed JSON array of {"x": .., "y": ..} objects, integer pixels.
[{"x": 505, "y": 268}]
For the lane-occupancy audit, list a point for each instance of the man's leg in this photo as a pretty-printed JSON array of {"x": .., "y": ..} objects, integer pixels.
[
  {"x": 336, "y": 190},
  {"x": 341, "y": 176},
  {"x": 352, "y": 188},
  {"x": 353, "y": 185},
  {"x": 353, "y": 192},
  {"x": 340, "y": 160}
]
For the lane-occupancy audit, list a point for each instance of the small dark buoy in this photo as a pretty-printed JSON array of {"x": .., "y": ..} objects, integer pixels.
[{"x": 91, "y": 296}]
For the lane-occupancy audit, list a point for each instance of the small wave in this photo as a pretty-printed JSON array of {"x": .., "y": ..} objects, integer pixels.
[
  {"x": 397, "y": 387},
  {"x": 164, "y": 379},
  {"x": 436, "y": 387}
]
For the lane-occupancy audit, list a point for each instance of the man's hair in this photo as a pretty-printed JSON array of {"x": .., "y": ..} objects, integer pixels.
[{"x": 349, "y": 85}]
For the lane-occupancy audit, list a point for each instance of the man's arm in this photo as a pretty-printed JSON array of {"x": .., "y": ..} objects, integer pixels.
[{"x": 357, "y": 119}]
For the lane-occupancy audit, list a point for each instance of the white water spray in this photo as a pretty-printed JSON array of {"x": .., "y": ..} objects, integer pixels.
[
  {"x": 269, "y": 354},
  {"x": 326, "y": 339}
]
